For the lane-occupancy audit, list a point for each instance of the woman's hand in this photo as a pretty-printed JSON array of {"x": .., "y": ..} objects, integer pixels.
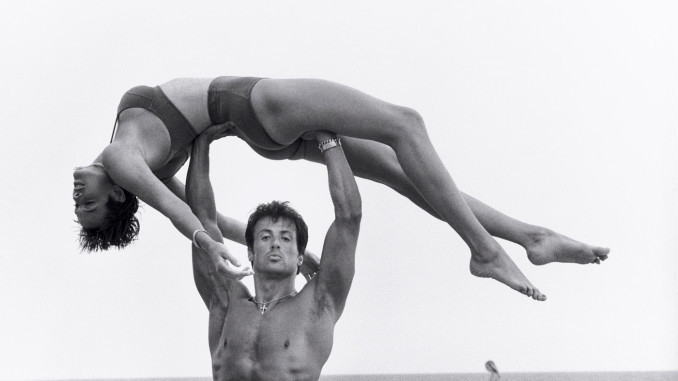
[{"x": 226, "y": 263}]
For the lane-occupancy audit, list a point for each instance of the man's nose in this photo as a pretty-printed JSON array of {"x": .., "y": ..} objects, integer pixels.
[{"x": 275, "y": 243}]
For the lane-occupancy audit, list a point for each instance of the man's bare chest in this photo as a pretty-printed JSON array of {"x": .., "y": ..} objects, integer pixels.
[{"x": 283, "y": 339}]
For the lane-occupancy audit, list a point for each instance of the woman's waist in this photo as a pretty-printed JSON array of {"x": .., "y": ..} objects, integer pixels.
[{"x": 189, "y": 96}]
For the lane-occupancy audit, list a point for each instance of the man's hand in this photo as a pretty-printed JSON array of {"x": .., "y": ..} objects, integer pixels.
[
  {"x": 310, "y": 266},
  {"x": 321, "y": 136},
  {"x": 216, "y": 131}
]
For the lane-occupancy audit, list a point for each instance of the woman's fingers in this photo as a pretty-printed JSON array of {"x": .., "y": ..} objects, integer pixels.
[
  {"x": 232, "y": 272},
  {"x": 226, "y": 255},
  {"x": 227, "y": 264}
]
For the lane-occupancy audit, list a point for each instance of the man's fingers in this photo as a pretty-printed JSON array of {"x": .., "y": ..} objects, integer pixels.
[
  {"x": 311, "y": 263},
  {"x": 221, "y": 134},
  {"x": 218, "y": 131}
]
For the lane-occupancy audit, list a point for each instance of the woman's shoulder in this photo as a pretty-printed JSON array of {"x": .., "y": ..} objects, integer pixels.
[
  {"x": 119, "y": 150},
  {"x": 118, "y": 156}
]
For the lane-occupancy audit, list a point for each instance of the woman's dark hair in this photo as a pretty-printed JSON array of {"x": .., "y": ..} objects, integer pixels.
[
  {"x": 120, "y": 229},
  {"x": 275, "y": 210}
]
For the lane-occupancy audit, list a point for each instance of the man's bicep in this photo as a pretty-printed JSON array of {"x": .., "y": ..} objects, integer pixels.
[
  {"x": 211, "y": 287},
  {"x": 201, "y": 275},
  {"x": 337, "y": 264}
]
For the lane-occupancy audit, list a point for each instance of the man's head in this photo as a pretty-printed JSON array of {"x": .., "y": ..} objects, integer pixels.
[
  {"x": 276, "y": 237},
  {"x": 104, "y": 210}
]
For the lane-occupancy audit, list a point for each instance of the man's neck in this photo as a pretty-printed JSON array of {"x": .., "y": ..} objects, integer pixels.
[{"x": 267, "y": 289}]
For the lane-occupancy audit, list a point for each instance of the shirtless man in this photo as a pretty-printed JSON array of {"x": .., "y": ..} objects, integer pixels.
[{"x": 277, "y": 334}]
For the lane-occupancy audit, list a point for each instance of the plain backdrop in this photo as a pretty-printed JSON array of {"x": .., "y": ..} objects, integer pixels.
[{"x": 561, "y": 114}]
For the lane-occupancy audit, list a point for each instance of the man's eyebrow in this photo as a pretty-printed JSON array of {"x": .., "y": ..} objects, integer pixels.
[{"x": 284, "y": 231}]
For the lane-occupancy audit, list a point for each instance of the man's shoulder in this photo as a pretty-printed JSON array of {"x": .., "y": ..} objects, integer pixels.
[
  {"x": 225, "y": 293},
  {"x": 312, "y": 301},
  {"x": 236, "y": 289}
]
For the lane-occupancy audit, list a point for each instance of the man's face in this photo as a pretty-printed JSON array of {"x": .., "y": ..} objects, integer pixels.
[
  {"x": 91, "y": 189},
  {"x": 275, "y": 247}
]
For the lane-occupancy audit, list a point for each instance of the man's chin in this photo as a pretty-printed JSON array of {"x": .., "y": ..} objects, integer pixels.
[{"x": 273, "y": 271}]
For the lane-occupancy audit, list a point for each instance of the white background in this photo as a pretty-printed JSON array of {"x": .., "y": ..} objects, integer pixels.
[{"x": 561, "y": 114}]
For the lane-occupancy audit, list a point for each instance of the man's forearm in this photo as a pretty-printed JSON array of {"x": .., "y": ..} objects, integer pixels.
[
  {"x": 199, "y": 193},
  {"x": 231, "y": 229},
  {"x": 343, "y": 188}
]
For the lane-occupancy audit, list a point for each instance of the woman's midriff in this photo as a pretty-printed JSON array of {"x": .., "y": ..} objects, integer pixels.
[{"x": 189, "y": 96}]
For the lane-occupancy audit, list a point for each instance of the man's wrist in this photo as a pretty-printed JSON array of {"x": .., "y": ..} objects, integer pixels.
[
  {"x": 329, "y": 144},
  {"x": 202, "y": 139}
]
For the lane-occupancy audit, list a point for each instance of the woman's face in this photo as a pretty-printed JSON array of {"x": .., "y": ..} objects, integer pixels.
[{"x": 91, "y": 190}]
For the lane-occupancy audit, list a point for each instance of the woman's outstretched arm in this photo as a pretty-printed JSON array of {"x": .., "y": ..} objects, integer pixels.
[
  {"x": 234, "y": 230},
  {"x": 128, "y": 169},
  {"x": 231, "y": 229}
]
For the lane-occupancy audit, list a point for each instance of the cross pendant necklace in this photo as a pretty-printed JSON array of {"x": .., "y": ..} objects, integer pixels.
[{"x": 263, "y": 306}]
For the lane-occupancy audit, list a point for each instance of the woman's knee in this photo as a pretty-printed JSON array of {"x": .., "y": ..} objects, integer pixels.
[{"x": 409, "y": 124}]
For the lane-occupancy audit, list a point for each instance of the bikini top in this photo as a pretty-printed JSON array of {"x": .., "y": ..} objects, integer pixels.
[{"x": 180, "y": 130}]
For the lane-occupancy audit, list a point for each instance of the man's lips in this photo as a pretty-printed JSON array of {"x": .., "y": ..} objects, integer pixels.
[{"x": 275, "y": 257}]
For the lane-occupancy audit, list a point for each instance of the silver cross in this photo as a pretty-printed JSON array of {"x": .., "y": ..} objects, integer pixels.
[{"x": 263, "y": 308}]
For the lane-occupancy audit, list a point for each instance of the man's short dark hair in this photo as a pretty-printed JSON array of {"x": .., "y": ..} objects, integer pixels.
[
  {"x": 120, "y": 229},
  {"x": 275, "y": 210}
]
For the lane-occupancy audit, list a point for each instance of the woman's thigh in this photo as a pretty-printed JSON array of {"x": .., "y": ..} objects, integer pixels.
[
  {"x": 368, "y": 159},
  {"x": 288, "y": 108}
]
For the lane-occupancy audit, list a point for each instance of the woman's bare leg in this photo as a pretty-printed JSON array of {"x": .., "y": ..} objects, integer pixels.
[
  {"x": 290, "y": 108},
  {"x": 377, "y": 162},
  {"x": 541, "y": 244}
]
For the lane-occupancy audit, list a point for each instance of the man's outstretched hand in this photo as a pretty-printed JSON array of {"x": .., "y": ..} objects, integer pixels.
[{"x": 216, "y": 131}]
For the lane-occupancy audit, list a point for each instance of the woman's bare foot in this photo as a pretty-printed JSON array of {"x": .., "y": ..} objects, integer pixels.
[
  {"x": 549, "y": 246},
  {"x": 500, "y": 267}
]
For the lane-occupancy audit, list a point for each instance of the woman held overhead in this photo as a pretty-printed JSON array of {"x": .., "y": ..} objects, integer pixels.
[{"x": 383, "y": 142}]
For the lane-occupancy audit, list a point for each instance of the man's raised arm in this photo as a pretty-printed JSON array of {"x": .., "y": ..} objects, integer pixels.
[
  {"x": 337, "y": 265},
  {"x": 199, "y": 193},
  {"x": 200, "y": 198}
]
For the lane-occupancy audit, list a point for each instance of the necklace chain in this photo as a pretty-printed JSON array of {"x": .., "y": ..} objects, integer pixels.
[{"x": 264, "y": 305}]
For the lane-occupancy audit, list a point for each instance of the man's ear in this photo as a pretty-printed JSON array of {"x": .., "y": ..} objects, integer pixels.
[
  {"x": 300, "y": 259},
  {"x": 250, "y": 255},
  {"x": 118, "y": 194}
]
